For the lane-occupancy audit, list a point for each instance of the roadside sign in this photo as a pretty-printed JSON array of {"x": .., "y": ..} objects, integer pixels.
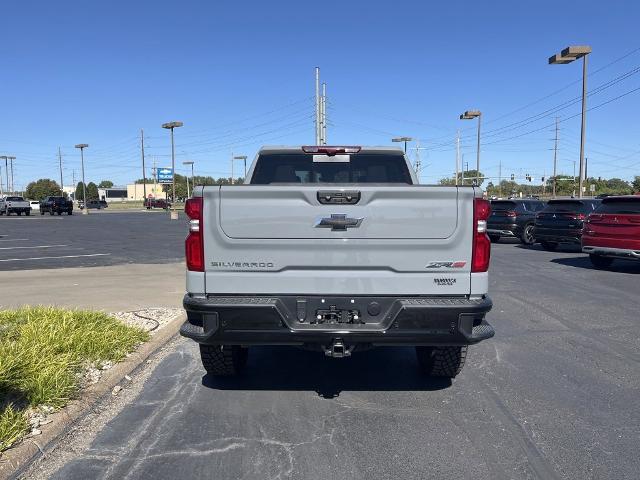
[
  {"x": 592, "y": 188},
  {"x": 165, "y": 175}
]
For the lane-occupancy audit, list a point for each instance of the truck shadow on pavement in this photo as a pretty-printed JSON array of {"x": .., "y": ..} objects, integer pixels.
[
  {"x": 619, "y": 266},
  {"x": 289, "y": 368}
]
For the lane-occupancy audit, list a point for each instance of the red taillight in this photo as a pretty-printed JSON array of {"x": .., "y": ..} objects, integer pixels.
[
  {"x": 194, "y": 244},
  {"x": 323, "y": 149},
  {"x": 580, "y": 216},
  {"x": 481, "y": 253}
]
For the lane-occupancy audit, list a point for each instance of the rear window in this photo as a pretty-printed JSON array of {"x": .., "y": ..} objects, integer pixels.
[
  {"x": 621, "y": 207},
  {"x": 15, "y": 199},
  {"x": 570, "y": 206},
  {"x": 503, "y": 205},
  {"x": 57, "y": 199},
  {"x": 301, "y": 168}
]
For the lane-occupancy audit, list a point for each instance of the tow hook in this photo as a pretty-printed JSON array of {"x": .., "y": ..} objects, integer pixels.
[{"x": 338, "y": 350}]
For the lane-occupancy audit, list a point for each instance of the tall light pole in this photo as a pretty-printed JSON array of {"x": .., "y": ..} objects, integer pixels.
[
  {"x": 569, "y": 55},
  {"x": 171, "y": 126},
  {"x": 470, "y": 115},
  {"x": 244, "y": 159},
  {"x": 82, "y": 146},
  {"x": 11, "y": 159},
  {"x": 6, "y": 170},
  {"x": 189, "y": 163},
  {"x": 402, "y": 139}
]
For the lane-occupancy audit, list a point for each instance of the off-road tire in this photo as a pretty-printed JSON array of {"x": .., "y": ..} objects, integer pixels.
[
  {"x": 599, "y": 261},
  {"x": 549, "y": 246},
  {"x": 527, "y": 237},
  {"x": 441, "y": 361},
  {"x": 494, "y": 238},
  {"x": 223, "y": 360}
]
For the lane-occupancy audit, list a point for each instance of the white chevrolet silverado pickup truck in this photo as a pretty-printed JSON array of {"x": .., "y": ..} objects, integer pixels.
[{"x": 336, "y": 249}]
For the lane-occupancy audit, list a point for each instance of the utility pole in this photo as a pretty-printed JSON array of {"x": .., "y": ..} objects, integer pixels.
[
  {"x": 73, "y": 179},
  {"x": 462, "y": 170},
  {"x": 232, "y": 167},
  {"x": 60, "y": 163},
  {"x": 500, "y": 179},
  {"x": 457, "y": 155},
  {"x": 418, "y": 165},
  {"x": 1, "y": 188},
  {"x": 6, "y": 170},
  {"x": 11, "y": 159},
  {"x": 144, "y": 171},
  {"x": 318, "y": 115},
  {"x": 323, "y": 105},
  {"x": 555, "y": 161}
]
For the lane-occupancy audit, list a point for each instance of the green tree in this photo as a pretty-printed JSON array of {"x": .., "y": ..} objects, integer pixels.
[
  {"x": 41, "y": 188},
  {"x": 92, "y": 191},
  {"x": 105, "y": 184},
  {"x": 636, "y": 184},
  {"x": 78, "y": 192}
]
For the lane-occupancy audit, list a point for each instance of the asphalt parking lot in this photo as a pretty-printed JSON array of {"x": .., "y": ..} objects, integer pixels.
[
  {"x": 101, "y": 238},
  {"x": 553, "y": 395}
]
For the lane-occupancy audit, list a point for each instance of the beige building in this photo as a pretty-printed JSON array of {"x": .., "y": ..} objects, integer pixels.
[{"x": 135, "y": 191}]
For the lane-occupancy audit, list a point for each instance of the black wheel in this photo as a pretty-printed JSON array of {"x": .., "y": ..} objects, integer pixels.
[
  {"x": 70, "y": 212},
  {"x": 441, "y": 361},
  {"x": 549, "y": 246},
  {"x": 59, "y": 212},
  {"x": 223, "y": 360},
  {"x": 27, "y": 213},
  {"x": 51, "y": 212},
  {"x": 494, "y": 238},
  {"x": 41, "y": 212},
  {"x": 599, "y": 261},
  {"x": 527, "y": 237}
]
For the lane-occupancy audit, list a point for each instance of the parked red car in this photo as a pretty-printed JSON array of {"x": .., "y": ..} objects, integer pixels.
[
  {"x": 613, "y": 231},
  {"x": 156, "y": 203}
]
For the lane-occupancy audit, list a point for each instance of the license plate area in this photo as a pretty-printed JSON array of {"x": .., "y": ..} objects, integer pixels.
[{"x": 335, "y": 316}]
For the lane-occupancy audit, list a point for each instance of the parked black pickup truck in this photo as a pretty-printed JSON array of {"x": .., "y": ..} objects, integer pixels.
[{"x": 56, "y": 205}]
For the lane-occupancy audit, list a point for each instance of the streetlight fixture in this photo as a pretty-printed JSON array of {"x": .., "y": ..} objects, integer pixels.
[
  {"x": 189, "y": 163},
  {"x": 569, "y": 55},
  {"x": 85, "y": 210},
  {"x": 470, "y": 115},
  {"x": 244, "y": 159},
  {"x": 402, "y": 139},
  {"x": 171, "y": 126}
]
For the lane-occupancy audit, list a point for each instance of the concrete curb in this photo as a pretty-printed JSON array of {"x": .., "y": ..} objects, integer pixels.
[{"x": 16, "y": 459}]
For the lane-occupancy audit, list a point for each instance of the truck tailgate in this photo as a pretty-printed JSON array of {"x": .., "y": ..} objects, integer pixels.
[{"x": 396, "y": 240}]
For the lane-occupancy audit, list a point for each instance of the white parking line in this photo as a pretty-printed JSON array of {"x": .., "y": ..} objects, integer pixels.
[
  {"x": 47, "y": 258},
  {"x": 13, "y": 239},
  {"x": 36, "y": 246}
]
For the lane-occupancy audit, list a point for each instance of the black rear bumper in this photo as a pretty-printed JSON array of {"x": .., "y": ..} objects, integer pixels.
[
  {"x": 292, "y": 320},
  {"x": 557, "y": 235}
]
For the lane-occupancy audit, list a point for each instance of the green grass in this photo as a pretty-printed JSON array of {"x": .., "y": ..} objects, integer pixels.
[{"x": 43, "y": 351}]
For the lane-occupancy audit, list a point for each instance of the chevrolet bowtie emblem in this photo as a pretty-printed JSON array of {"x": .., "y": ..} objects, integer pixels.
[{"x": 338, "y": 222}]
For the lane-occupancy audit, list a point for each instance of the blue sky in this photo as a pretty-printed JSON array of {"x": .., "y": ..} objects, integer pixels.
[{"x": 240, "y": 74}]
